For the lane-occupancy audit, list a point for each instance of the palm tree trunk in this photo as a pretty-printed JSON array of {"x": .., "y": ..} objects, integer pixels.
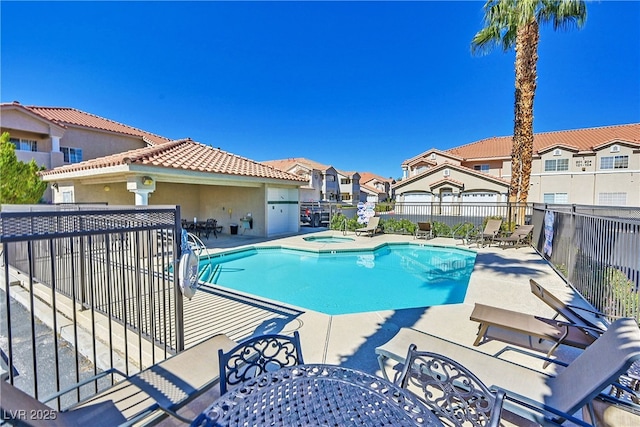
[{"x": 526, "y": 76}]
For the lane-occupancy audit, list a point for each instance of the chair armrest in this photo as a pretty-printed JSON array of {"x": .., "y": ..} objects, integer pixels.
[
  {"x": 537, "y": 356},
  {"x": 582, "y": 327},
  {"x": 550, "y": 414}
]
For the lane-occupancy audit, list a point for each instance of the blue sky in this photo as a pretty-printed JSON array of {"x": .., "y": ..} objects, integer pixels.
[{"x": 357, "y": 85}]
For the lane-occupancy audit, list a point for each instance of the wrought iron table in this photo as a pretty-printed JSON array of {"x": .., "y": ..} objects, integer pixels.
[{"x": 317, "y": 395}]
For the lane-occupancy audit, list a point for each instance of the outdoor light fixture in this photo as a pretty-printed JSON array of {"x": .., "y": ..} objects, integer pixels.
[
  {"x": 147, "y": 180},
  {"x": 55, "y": 186},
  {"x": 107, "y": 188}
]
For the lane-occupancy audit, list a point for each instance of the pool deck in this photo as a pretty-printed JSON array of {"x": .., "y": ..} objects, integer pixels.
[{"x": 500, "y": 278}]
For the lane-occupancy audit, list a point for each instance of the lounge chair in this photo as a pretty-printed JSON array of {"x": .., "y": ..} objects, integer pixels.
[
  {"x": 451, "y": 391},
  {"x": 488, "y": 234},
  {"x": 556, "y": 331},
  {"x": 373, "y": 226},
  {"x": 424, "y": 230},
  {"x": 573, "y": 313},
  {"x": 521, "y": 236},
  {"x": 535, "y": 395},
  {"x": 257, "y": 355},
  {"x": 161, "y": 389}
]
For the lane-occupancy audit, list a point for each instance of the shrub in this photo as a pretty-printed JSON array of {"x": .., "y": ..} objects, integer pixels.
[{"x": 398, "y": 226}]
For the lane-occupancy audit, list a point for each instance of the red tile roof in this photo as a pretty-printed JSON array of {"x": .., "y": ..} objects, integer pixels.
[
  {"x": 64, "y": 117},
  {"x": 286, "y": 164},
  {"x": 581, "y": 139},
  {"x": 186, "y": 155},
  {"x": 445, "y": 165}
]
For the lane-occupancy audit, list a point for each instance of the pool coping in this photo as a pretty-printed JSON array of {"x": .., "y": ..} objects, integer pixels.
[{"x": 500, "y": 278}]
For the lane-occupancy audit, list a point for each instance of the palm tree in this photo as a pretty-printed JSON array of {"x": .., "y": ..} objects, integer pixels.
[{"x": 515, "y": 23}]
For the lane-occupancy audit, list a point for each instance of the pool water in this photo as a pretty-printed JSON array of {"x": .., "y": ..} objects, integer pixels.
[{"x": 335, "y": 282}]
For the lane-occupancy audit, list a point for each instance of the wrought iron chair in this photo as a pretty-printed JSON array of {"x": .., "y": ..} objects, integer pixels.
[
  {"x": 452, "y": 391},
  {"x": 257, "y": 355}
]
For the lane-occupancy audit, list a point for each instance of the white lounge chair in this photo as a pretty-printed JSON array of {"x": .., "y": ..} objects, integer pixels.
[{"x": 373, "y": 226}]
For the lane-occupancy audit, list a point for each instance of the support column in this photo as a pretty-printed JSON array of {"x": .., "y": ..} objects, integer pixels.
[
  {"x": 141, "y": 187},
  {"x": 141, "y": 196},
  {"x": 55, "y": 144}
]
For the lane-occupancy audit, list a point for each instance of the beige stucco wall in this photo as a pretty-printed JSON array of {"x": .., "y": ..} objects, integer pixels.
[
  {"x": 226, "y": 204},
  {"x": 471, "y": 183},
  {"x": 13, "y": 120},
  {"x": 98, "y": 144},
  {"x": 229, "y": 204}
]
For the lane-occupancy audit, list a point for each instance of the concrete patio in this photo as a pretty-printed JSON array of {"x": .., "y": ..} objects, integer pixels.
[{"x": 500, "y": 278}]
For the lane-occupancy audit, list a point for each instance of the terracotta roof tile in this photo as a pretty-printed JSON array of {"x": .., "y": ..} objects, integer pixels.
[
  {"x": 286, "y": 164},
  {"x": 452, "y": 166},
  {"x": 582, "y": 139},
  {"x": 185, "y": 155},
  {"x": 64, "y": 116}
]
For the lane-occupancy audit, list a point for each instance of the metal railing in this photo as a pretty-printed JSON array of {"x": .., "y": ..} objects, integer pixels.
[
  {"x": 95, "y": 283},
  {"x": 597, "y": 250}
]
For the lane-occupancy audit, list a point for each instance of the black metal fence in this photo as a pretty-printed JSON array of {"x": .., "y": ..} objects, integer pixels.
[
  {"x": 100, "y": 278},
  {"x": 597, "y": 249}
]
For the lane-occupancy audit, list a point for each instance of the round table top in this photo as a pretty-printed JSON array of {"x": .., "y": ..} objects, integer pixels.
[{"x": 322, "y": 395}]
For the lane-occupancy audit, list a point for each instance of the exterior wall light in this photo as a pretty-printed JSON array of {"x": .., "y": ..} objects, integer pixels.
[
  {"x": 147, "y": 180},
  {"x": 107, "y": 188}
]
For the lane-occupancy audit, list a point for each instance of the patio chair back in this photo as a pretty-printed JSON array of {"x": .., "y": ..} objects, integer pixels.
[
  {"x": 522, "y": 231},
  {"x": 452, "y": 391},
  {"x": 574, "y": 314},
  {"x": 491, "y": 230},
  {"x": 257, "y": 355},
  {"x": 597, "y": 367}
]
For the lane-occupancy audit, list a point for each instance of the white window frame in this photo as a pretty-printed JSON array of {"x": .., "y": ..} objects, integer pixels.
[
  {"x": 614, "y": 162},
  {"x": 557, "y": 163},
  {"x": 612, "y": 199},
  {"x": 556, "y": 198},
  {"x": 481, "y": 168}
]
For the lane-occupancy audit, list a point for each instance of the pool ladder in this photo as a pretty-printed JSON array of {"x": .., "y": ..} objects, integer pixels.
[
  {"x": 199, "y": 248},
  {"x": 344, "y": 227}
]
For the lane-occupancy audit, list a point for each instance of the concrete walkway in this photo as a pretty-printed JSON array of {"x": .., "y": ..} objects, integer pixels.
[{"x": 500, "y": 278}]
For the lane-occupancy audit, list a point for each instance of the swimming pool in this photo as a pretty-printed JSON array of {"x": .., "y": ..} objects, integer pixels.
[{"x": 391, "y": 277}]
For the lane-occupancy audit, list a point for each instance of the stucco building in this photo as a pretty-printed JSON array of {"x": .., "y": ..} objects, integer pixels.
[
  {"x": 592, "y": 166},
  {"x": 90, "y": 159}
]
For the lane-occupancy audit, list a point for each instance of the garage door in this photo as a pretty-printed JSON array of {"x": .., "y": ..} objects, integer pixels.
[
  {"x": 417, "y": 197},
  {"x": 480, "y": 197}
]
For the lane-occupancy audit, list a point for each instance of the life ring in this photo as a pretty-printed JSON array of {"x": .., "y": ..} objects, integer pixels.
[{"x": 188, "y": 274}]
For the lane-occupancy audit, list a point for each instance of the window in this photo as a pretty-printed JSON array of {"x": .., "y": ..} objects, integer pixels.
[
  {"x": 71, "y": 155},
  {"x": 345, "y": 196},
  {"x": 24, "y": 144},
  {"x": 556, "y": 198},
  {"x": 612, "y": 199},
  {"x": 345, "y": 181},
  {"x": 481, "y": 168},
  {"x": 331, "y": 178},
  {"x": 614, "y": 162},
  {"x": 556, "y": 165}
]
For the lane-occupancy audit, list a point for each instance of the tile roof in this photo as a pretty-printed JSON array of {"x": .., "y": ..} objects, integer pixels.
[
  {"x": 183, "y": 154},
  {"x": 370, "y": 176},
  {"x": 581, "y": 139},
  {"x": 64, "y": 116},
  {"x": 445, "y": 165},
  {"x": 286, "y": 164}
]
